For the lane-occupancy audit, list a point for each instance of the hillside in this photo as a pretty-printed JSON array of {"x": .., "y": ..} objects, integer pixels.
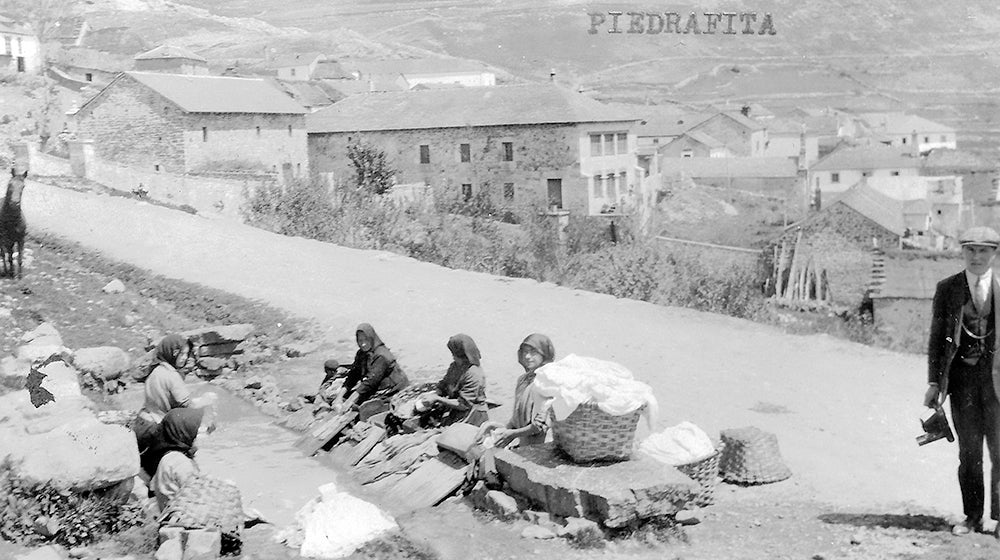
[{"x": 940, "y": 58}]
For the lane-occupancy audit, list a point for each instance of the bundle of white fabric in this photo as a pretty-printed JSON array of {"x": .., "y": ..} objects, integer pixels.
[
  {"x": 678, "y": 445},
  {"x": 575, "y": 380}
]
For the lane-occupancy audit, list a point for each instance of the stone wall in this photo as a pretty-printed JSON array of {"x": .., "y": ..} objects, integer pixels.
[
  {"x": 540, "y": 152},
  {"x": 846, "y": 259}
]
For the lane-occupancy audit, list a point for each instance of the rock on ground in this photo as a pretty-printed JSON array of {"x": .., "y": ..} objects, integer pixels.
[{"x": 104, "y": 363}]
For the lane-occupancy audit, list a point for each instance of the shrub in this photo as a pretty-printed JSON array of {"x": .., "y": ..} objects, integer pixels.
[
  {"x": 372, "y": 172},
  {"x": 79, "y": 517}
]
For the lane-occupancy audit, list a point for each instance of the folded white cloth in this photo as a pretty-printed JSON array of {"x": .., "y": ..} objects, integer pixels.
[
  {"x": 575, "y": 380},
  {"x": 677, "y": 445}
]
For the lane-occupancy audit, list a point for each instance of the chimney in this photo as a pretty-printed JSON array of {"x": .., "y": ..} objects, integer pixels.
[
  {"x": 914, "y": 144},
  {"x": 552, "y": 75}
]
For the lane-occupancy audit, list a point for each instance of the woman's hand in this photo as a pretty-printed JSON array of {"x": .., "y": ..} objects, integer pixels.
[{"x": 502, "y": 437}]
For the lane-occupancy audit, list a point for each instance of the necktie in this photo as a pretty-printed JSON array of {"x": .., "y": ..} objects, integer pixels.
[{"x": 982, "y": 292}]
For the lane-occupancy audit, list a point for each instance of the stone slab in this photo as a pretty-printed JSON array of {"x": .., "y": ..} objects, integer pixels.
[
  {"x": 613, "y": 494},
  {"x": 219, "y": 334}
]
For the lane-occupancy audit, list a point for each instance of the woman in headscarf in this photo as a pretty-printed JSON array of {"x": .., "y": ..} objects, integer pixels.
[
  {"x": 169, "y": 460},
  {"x": 461, "y": 394},
  {"x": 375, "y": 372},
  {"x": 529, "y": 420},
  {"x": 165, "y": 389}
]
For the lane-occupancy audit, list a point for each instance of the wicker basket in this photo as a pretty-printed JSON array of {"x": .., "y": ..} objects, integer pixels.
[
  {"x": 590, "y": 434},
  {"x": 204, "y": 502},
  {"x": 706, "y": 473}
]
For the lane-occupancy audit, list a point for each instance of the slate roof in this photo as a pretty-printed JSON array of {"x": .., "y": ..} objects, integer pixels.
[
  {"x": 823, "y": 125},
  {"x": 901, "y": 123},
  {"x": 170, "y": 51},
  {"x": 866, "y": 157},
  {"x": 957, "y": 159},
  {"x": 13, "y": 27},
  {"x": 885, "y": 211},
  {"x": 669, "y": 123},
  {"x": 737, "y": 167},
  {"x": 216, "y": 94},
  {"x": 705, "y": 139},
  {"x": 525, "y": 104},
  {"x": 415, "y": 66}
]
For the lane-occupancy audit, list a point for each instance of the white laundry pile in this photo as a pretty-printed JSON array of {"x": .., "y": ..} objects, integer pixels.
[
  {"x": 575, "y": 380},
  {"x": 335, "y": 524},
  {"x": 678, "y": 445}
]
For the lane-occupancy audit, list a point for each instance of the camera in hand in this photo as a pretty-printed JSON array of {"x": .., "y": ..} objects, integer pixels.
[{"x": 935, "y": 427}]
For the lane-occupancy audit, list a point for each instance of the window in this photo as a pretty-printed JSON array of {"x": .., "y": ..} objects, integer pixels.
[
  {"x": 622, "y": 143},
  {"x": 944, "y": 138},
  {"x": 835, "y": 177},
  {"x": 687, "y": 153},
  {"x": 156, "y": 167},
  {"x": 555, "y": 193},
  {"x": 204, "y": 134},
  {"x": 258, "y": 132},
  {"x": 595, "y": 145},
  {"x": 292, "y": 72},
  {"x": 894, "y": 173},
  {"x": 289, "y": 130},
  {"x": 425, "y": 153},
  {"x": 612, "y": 192},
  {"x": 298, "y": 169},
  {"x": 508, "y": 151},
  {"x": 927, "y": 139},
  {"x": 508, "y": 191},
  {"x": 466, "y": 152},
  {"x": 609, "y": 144},
  {"x": 622, "y": 183},
  {"x": 466, "y": 191},
  {"x": 866, "y": 173},
  {"x": 904, "y": 140},
  {"x": 89, "y": 77},
  {"x": 595, "y": 186}
]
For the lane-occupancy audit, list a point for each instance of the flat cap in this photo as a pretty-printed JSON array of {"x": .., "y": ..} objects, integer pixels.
[{"x": 980, "y": 235}]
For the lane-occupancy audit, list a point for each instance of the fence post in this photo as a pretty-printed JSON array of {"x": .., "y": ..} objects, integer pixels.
[{"x": 81, "y": 157}]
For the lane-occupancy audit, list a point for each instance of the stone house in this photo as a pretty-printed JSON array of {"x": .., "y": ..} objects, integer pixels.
[
  {"x": 298, "y": 66},
  {"x": 902, "y": 296},
  {"x": 509, "y": 142},
  {"x": 799, "y": 136},
  {"x": 19, "y": 48},
  {"x": 184, "y": 123},
  {"x": 426, "y": 71},
  {"x": 171, "y": 60},
  {"x": 909, "y": 131},
  {"x": 778, "y": 176},
  {"x": 694, "y": 144},
  {"x": 844, "y": 167},
  {"x": 662, "y": 124},
  {"x": 741, "y": 135},
  {"x": 979, "y": 176}
]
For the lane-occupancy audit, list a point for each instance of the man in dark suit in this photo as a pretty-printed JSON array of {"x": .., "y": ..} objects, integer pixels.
[{"x": 961, "y": 365}]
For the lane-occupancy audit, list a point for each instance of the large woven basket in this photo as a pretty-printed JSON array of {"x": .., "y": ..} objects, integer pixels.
[
  {"x": 205, "y": 502},
  {"x": 590, "y": 434},
  {"x": 705, "y": 472}
]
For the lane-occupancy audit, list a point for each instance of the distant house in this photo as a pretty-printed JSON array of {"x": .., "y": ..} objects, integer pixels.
[
  {"x": 741, "y": 135},
  {"x": 507, "y": 142},
  {"x": 90, "y": 66},
  {"x": 863, "y": 215},
  {"x": 416, "y": 71},
  {"x": 937, "y": 199},
  {"x": 312, "y": 95},
  {"x": 846, "y": 166},
  {"x": 19, "y": 48},
  {"x": 661, "y": 125},
  {"x": 171, "y": 60},
  {"x": 694, "y": 144},
  {"x": 183, "y": 123},
  {"x": 799, "y": 136},
  {"x": 979, "y": 175},
  {"x": 297, "y": 66},
  {"x": 906, "y": 131}
]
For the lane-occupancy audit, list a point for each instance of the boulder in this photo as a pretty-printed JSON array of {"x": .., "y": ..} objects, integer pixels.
[
  {"x": 104, "y": 363},
  {"x": 115, "y": 286},
  {"x": 219, "y": 340},
  {"x": 84, "y": 455},
  {"x": 501, "y": 504},
  {"x": 50, "y": 552},
  {"x": 211, "y": 364},
  {"x": 13, "y": 372},
  {"x": 612, "y": 494},
  {"x": 45, "y": 333},
  {"x": 201, "y": 544},
  {"x": 537, "y": 532},
  {"x": 61, "y": 379},
  {"x": 171, "y": 549},
  {"x": 299, "y": 349},
  {"x": 582, "y": 530}
]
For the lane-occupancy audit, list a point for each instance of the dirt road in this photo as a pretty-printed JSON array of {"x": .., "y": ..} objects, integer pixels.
[{"x": 845, "y": 415}]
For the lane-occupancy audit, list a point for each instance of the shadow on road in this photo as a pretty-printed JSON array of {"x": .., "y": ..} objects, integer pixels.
[{"x": 886, "y": 521}]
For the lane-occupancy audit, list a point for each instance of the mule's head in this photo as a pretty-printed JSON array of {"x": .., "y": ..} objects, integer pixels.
[{"x": 15, "y": 186}]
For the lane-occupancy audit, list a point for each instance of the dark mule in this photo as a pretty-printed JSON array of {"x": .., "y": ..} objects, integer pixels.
[{"x": 12, "y": 224}]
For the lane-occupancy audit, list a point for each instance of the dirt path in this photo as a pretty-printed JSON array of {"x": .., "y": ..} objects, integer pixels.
[{"x": 845, "y": 414}]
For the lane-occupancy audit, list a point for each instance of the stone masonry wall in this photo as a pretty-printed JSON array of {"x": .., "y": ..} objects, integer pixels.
[
  {"x": 541, "y": 152},
  {"x": 735, "y": 137},
  {"x": 131, "y": 125}
]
